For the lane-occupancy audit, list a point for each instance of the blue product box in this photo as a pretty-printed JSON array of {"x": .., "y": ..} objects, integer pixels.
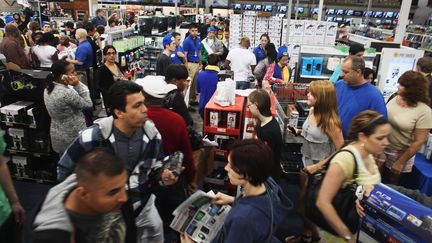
[
  {"x": 317, "y": 66},
  {"x": 307, "y": 66},
  {"x": 394, "y": 217}
]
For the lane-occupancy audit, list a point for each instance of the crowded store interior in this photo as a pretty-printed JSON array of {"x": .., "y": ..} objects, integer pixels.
[{"x": 180, "y": 121}]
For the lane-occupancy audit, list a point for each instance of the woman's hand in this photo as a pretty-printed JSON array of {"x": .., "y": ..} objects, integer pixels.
[
  {"x": 360, "y": 209},
  {"x": 185, "y": 239},
  {"x": 72, "y": 80},
  {"x": 397, "y": 168},
  {"x": 223, "y": 199}
]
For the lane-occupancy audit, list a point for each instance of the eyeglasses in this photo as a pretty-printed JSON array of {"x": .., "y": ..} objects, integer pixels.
[{"x": 110, "y": 53}]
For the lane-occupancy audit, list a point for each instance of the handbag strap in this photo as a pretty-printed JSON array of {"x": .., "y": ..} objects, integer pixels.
[{"x": 355, "y": 171}]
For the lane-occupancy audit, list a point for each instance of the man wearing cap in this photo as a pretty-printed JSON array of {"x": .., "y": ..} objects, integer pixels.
[
  {"x": 279, "y": 72},
  {"x": 46, "y": 27},
  {"x": 164, "y": 59},
  {"x": 178, "y": 57},
  {"x": 210, "y": 45},
  {"x": 242, "y": 62},
  {"x": 175, "y": 137}
]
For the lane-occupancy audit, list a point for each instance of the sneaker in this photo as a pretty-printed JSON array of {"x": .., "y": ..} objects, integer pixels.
[{"x": 208, "y": 143}]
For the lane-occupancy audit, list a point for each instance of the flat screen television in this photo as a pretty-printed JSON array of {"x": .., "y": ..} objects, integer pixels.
[
  {"x": 314, "y": 10},
  {"x": 329, "y": 18},
  {"x": 300, "y": 10},
  {"x": 397, "y": 15},
  {"x": 378, "y": 21},
  {"x": 349, "y": 12},
  {"x": 338, "y": 19},
  {"x": 247, "y": 7},
  {"x": 282, "y": 15},
  {"x": 388, "y": 15},
  {"x": 145, "y": 25},
  {"x": 330, "y": 11},
  {"x": 162, "y": 24},
  {"x": 237, "y": 6},
  {"x": 378, "y": 14},
  {"x": 358, "y": 13},
  {"x": 282, "y": 9},
  {"x": 258, "y": 7},
  {"x": 339, "y": 12},
  {"x": 268, "y": 8}
]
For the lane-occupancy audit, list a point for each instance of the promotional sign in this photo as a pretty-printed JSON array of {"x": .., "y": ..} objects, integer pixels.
[{"x": 394, "y": 217}]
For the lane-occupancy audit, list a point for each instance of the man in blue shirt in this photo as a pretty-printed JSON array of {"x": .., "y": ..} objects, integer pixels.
[
  {"x": 192, "y": 49},
  {"x": 207, "y": 82},
  {"x": 355, "y": 94},
  {"x": 84, "y": 53},
  {"x": 99, "y": 19},
  {"x": 178, "y": 56}
]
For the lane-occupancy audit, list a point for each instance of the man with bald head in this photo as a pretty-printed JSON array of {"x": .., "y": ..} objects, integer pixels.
[{"x": 242, "y": 62}]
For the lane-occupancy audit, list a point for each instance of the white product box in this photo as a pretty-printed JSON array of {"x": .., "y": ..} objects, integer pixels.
[
  {"x": 320, "y": 29},
  {"x": 17, "y": 138},
  {"x": 231, "y": 120},
  {"x": 330, "y": 41},
  {"x": 331, "y": 29},
  {"x": 214, "y": 118},
  {"x": 298, "y": 28},
  {"x": 31, "y": 118},
  {"x": 309, "y": 29},
  {"x": 21, "y": 166}
]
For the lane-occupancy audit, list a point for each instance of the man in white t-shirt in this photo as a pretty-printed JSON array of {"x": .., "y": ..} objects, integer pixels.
[{"x": 242, "y": 62}]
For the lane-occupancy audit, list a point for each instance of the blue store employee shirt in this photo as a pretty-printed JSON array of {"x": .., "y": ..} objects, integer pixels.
[
  {"x": 259, "y": 53},
  {"x": 353, "y": 100},
  {"x": 174, "y": 58},
  {"x": 84, "y": 54},
  {"x": 193, "y": 48}
]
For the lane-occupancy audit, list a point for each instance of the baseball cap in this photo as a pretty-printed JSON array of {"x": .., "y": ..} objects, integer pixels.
[
  {"x": 283, "y": 51},
  {"x": 154, "y": 86},
  {"x": 168, "y": 39},
  {"x": 212, "y": 29}
]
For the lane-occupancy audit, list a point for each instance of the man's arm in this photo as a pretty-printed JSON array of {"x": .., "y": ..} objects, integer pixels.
[
  {"x": 7, "y": 185},
  {"x": 378, "y": 104},
  {"x": 70, "y": 157}
]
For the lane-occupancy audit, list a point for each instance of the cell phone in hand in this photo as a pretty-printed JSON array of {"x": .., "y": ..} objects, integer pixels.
[{"x": 174, "y": 163}]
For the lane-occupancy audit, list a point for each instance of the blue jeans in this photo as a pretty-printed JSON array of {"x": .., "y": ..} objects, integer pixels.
[{"x": 242, "y": 85}]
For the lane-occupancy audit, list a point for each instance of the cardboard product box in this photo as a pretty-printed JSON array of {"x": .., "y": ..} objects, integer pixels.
[
  {"x": 320, "y": 30},
  {"x": 306, "y": 66},
  {"x": 16, "y": 112},
  {"x": 231, "y": 120},
  {"x": 214, "y": 118},
  {"x": 331, "y": 29},
  {"x": 31, "y": 118},
  {"x": 309, "y": 29},
  {"x": 17, "y": 139},
  {"x": 330, "y": 41},
  {"x": 21, "y": 167},
  {"x": 318, "y": 63},
  {"x": 298, "y": 28}
]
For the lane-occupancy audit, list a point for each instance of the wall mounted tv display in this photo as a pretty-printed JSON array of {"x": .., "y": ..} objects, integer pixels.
[
  {"x": 348, "y": 20},
  {"x": 247, "y": 7},
  {"x": 349, "y": 12},
  {"x": 378, "y": 21},
  {"x": 338, "y": 19},
  {"x": 258, "y": 7},
  {"x": 282, "y": 15},
  {"x": 282, "y": 9},
  {"x": 387, "y": 21},
  {"x": 314, "y": 10},
  {"x": 330, "y": 19},
  {"x": 237, "y": 6},
  {"x": 268, "y": 8},
  {"x": 300, "y": 10},
  {"x": 388, "y": 15},
  {"x": 397, "y": 15},
  {"x": 340, "y": 12},
  {"x": 378, "y": 14},
  {"x": 330, "y": 11},
  {"x": 358, "y": 13}
]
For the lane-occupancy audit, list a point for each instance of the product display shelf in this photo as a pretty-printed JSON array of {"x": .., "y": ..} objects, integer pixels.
[
  {"x": 26, "y": 124},
  {"x": 319, "y": 62}
]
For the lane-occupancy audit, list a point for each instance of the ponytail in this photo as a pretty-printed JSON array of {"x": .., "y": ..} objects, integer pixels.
[{"x": 49, "y": 83}]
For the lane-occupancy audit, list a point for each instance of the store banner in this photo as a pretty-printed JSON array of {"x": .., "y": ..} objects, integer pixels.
[{"x": 394, "y": 217}]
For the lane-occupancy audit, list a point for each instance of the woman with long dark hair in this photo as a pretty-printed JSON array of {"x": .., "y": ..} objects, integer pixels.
[
  {"x": 109, "y": 72},
  {"x": 65, "y": 104},
  {"x": 262, "y": 66}
]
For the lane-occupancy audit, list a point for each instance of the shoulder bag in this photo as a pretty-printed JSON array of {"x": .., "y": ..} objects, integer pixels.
[{"x": 343, "y": 202}]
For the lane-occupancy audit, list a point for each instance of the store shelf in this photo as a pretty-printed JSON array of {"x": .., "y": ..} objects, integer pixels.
[
  {"x": 11, "y": 124},
  {"x": 222, "y": 130},
  {"x": 315, "y": 76},
  {"x": 41, "y": 181},
  {"x": 14, "y": 151},
  {"x": 222, "y": 153}
]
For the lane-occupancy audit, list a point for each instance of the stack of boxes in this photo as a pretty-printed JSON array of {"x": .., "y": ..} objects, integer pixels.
[
  {"x": 261, "y": 27},
  {"x": 248, "y": 27},
  {"x": 274, "y": 30},
  {"x": 310, "y": 32},
  {"x": 235, "y": 30}
]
